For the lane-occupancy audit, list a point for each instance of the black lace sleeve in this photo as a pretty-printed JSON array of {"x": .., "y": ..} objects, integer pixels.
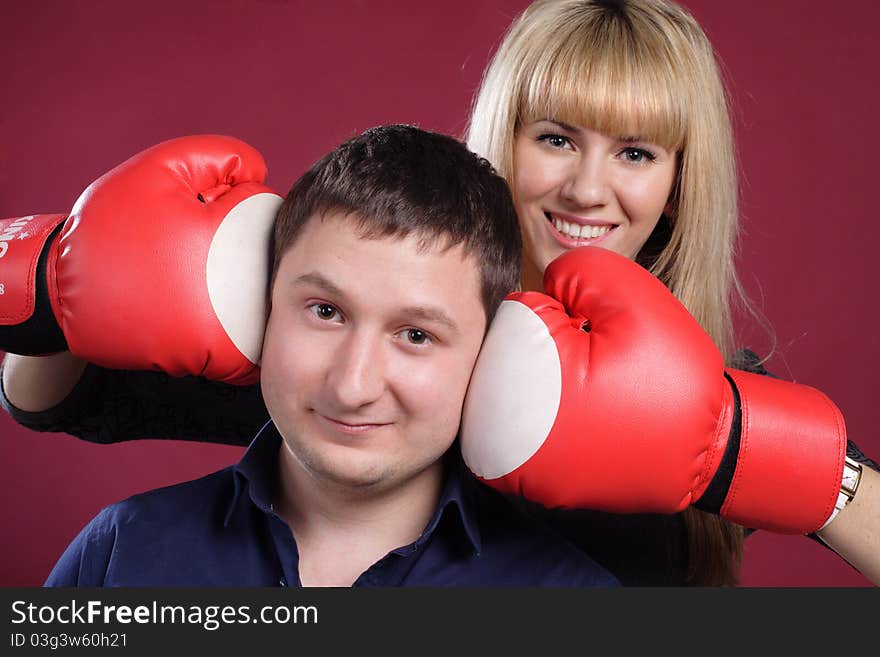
[
  {"x": 853, "y": 451},
  {"x": 749, "y": 361},
  {"x": 109, "y": 406}
]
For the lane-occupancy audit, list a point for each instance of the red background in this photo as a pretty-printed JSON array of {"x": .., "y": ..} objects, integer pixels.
[{"x": 87, "y": 84}]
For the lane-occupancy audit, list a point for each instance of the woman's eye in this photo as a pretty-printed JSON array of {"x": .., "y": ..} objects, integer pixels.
[
  {"x": 416, "y": 336},
  {"x": 556, "y": 141},
  {"x": 325, "y": 311},
  {"x": 637, "y": 155}
]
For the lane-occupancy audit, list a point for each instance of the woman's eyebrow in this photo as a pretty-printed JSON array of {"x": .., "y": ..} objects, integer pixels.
[
  {"x": 629, "y": 139},
  {"x": 562, "y": 124}
]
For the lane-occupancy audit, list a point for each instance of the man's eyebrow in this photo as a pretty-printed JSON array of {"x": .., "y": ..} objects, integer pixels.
[
  {"x": 430, "y": 314},
  {"x": 321, "y": 281},
  {"x": 411, "y": 313}
]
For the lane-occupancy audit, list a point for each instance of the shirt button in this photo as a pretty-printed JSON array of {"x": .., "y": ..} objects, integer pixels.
[{"x": 282, "y": 582}]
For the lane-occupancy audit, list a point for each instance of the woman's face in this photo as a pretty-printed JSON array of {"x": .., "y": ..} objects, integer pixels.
[{"x": 576, "y": 187}]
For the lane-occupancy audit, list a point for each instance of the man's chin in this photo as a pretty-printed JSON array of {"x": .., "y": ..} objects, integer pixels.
[{"x": 356, "y": 472}]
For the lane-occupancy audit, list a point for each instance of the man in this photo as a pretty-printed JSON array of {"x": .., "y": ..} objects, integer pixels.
[{"x": 391, "y": 255}]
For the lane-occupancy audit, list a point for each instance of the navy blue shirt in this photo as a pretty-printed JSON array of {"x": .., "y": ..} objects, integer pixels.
[{"x": 221, "y": 530}]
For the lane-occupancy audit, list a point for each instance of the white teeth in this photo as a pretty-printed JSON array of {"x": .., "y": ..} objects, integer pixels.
[{"x": 577, "y": 231}]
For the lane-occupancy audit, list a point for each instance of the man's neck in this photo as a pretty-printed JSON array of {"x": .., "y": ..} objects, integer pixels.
[{"x": 341, "y": 530}]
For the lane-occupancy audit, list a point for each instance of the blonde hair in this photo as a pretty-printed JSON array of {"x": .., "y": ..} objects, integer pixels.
[{"x": 580, "y": 62}]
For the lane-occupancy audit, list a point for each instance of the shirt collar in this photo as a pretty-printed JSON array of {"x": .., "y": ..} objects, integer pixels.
[
  {"x": 255, "y": 475},
  {"x": 457, "y": 501}
]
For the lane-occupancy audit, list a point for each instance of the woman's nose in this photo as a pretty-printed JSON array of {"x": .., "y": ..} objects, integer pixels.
[{"x": 587, "y": 182}]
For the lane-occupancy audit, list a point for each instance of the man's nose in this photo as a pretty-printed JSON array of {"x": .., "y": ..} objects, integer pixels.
[{"x": 357, "y": 373}]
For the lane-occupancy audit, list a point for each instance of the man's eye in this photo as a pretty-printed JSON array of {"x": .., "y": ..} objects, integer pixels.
[
  {"x": 416, "y": 336},
  {"x": 325, "y": 311}
]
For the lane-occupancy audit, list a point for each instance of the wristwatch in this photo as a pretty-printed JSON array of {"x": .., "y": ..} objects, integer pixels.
[{"x": 852, "y": 475}]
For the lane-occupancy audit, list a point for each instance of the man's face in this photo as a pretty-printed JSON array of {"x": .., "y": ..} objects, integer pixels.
[{"x": 368, "y": 352}]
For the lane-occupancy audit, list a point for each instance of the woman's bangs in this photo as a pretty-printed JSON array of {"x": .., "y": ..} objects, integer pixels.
[{"x": 612, "y": 94}]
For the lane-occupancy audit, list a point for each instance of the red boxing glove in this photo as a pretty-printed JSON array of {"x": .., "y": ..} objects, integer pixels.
[
  {"x": 608, "y": 395},
  {"x": 162, "y": 264}
]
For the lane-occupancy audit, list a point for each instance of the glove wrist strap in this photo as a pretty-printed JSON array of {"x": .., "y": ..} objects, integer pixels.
[
  {"x": 716, "y": 492},
  {"x": 27, "y": 321},
  {"x": 791, "y": 455}
]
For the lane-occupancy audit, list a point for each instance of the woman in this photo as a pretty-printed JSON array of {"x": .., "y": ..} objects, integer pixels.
[
  {"x": 548, "y": 116},
  {"x": 562, "y": 61},
  {"x": 616, "y": 112}
]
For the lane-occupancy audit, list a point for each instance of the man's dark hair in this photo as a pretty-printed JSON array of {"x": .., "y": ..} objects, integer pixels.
[{"x": 398, "y": 180}]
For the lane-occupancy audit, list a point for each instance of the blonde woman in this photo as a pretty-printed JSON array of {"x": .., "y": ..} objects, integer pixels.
[
  {"x": 611, "y": 105},
  {"x": 610, "y": 122}
]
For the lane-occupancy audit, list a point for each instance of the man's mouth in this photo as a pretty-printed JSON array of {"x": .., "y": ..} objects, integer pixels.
[{"x": 351, "y": 426}]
